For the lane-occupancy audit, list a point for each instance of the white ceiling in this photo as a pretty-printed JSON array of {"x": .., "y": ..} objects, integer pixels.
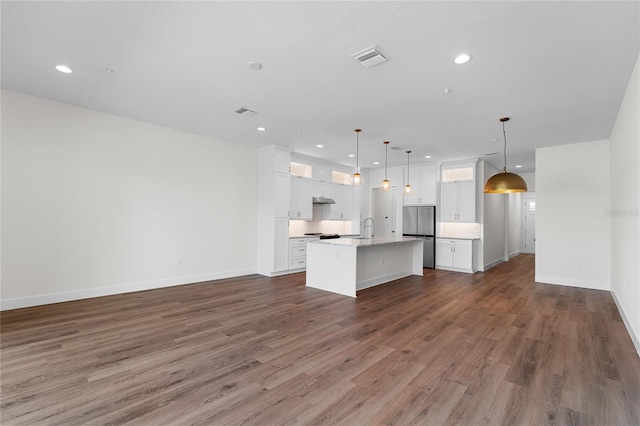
[{"x": 558, "y": 69}]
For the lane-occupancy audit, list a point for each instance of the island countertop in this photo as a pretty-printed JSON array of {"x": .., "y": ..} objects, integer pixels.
[{"x": 364, "y": 242}]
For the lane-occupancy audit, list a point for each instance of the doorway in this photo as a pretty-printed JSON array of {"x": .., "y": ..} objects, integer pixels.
[
  {"x": 529, "y": 225},
  {"x": 384, "y": 212}
]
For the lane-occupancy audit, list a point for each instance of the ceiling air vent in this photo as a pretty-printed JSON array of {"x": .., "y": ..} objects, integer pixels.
[
  {"x": 369, "y": 57},
  {"x": 244, "y": 112}
]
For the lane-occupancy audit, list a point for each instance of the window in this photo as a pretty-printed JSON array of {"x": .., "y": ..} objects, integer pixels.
[
  {"x": 302, "y": 170},
  {"x": 343, "y": 178},
  {"x": 453, "y": 175}
]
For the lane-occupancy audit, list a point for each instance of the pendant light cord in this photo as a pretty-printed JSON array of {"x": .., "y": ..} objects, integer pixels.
[
  {"x": 504, "y": 133},
  {"x": 357, "y": 151},
  {"x": 386, "y": 151}
]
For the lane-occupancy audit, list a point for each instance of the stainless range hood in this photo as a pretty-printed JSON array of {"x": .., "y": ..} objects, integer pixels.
[{"x": 323, "y": 200}]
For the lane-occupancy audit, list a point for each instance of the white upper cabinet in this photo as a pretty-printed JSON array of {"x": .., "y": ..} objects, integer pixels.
[
  {"x": 344, "y": 203},
  {"x": 458, "y": 202},
  {"x": 301, "y": 204},
  {"x": 282, "y": 195},
  {"x": 423, "y": 181},
  {"x": 341, "y": 194},
  {"x": 458, "y": 192}
]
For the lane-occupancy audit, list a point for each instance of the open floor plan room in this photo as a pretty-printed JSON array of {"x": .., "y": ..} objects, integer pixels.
[{"x": 445, "y": 348}]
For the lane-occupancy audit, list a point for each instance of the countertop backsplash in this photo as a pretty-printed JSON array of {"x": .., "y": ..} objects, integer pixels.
[
  {"x": 298, "y": 228},
  {"x": 459, "y": 230}
]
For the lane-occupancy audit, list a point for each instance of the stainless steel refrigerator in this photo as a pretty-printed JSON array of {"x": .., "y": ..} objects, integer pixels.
[{"x": 420, "y": 222}]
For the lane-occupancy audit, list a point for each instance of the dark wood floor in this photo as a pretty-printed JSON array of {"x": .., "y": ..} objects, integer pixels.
[{"x": 446, "y": 348}]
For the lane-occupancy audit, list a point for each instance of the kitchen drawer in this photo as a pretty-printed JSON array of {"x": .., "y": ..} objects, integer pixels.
[
  {"x": 298, "y": 250},
  {"x": 298, "y": 262},
  {"x": 303, "y": 241}
]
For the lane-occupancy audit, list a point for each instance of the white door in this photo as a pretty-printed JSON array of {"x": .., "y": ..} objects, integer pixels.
[
  {"x": 530, "y": 225},
  {"x": 383, "y": 212}
]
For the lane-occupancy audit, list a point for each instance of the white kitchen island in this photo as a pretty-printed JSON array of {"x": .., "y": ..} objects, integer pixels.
[{"x": 346, "y": 265}]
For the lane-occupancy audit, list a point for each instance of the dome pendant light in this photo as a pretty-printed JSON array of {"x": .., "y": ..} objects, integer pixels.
[
  {"x": 357, "y": 178},
  {"x": 386, "y": 185},
  {"x": 505, "y": 182},
  {"x": 407, "y": 187}
]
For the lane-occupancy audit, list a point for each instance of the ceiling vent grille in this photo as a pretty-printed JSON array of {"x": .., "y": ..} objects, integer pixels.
[
  {"x": 369, "y": 57},
  {"x": 246, "y": 112}
]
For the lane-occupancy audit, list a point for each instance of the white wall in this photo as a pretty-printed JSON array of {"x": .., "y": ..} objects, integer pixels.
[
  {"x": 493, "y": 221},
  {"x": 625, "y": 208},
  {"x": 396, "y": 177},
  {"x": 515, "y": 222},
  {"x": 572, "y": 231},
  {"x": 530, "y": 180},
  {"x": 95, "y": 204}
]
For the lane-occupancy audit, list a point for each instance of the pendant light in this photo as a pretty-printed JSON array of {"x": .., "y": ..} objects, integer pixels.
[
  {"x": 386, "y": 185},
  {"x": 357, "y": 179},
  {"x": 505, "y": 182},
  {"x": 407, "y": 187}
]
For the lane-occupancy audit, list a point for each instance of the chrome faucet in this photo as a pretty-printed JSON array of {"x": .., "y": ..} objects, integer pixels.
[{"x": 372, "y": 226}]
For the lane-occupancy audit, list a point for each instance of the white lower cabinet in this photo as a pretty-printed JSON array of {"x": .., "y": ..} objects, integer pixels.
[
  {"x": 455, "y": 255},
  {"x": 298, "y": 252}
]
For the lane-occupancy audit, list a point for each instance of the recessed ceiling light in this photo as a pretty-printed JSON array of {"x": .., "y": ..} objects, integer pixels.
[
  {"x": 447, "y": 91},
  {"x": 320, "y": 146},
  {"x": 427, "y": 156},
  {"x": 63, "y": 68},
  {"x": 518, "y": 166},
  {"x": 376, "y": 163},
  {"x": 255, "y": 65},
  {"x": 351, "y": 155},
  {"x": 462, "y": 59},
  {"x": 108, "y": 70},
  {"x": 261, "y": 129}
]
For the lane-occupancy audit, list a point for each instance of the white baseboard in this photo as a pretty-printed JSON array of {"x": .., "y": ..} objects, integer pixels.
[
  {"x": 515, "y": 253},
  {"x": 627, "y": 323},
  {"x": 570, "y": 282},
  {"x": 45, "y": 299},
  {"x": 452, "y": 269},
  {"x": 493, "y": 264}
]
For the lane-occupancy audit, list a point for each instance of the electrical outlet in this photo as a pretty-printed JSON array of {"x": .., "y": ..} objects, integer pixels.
[{"x": 179, "y": 261}]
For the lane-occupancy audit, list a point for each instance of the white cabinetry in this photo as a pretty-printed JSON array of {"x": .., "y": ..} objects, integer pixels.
[
  {"x": 458, "y": 202},
  {"x": 342, "y": 196},
  {"x": 301, "y": 202},
  {"x": 458, "y": 191},
  {"x": 423, "y": 181},
  {"x": 455, "y": 255},
  {"x": 281, "y": 255},
  {"x": 273, "y": 211},
  {"x": 341, "y": 210},
  {"x": 298, "y": 252},
  {"x": 282, "y": 191}
]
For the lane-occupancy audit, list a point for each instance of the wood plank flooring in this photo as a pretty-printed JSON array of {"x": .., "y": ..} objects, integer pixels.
[{"x": 447, "y": 348}]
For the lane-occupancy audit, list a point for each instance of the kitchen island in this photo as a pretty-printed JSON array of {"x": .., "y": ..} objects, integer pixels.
[{"x": 346, "y": 265}]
